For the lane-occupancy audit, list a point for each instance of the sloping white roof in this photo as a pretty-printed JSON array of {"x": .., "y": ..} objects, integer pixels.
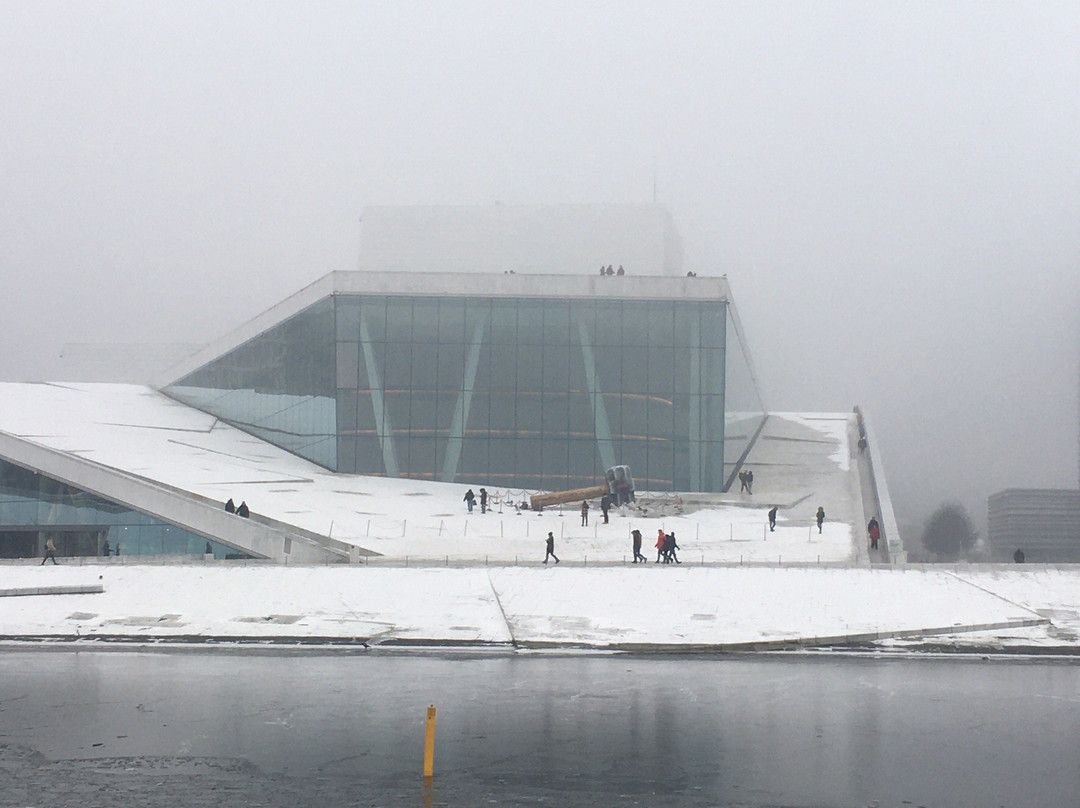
[{"x": 142, "y": 433}]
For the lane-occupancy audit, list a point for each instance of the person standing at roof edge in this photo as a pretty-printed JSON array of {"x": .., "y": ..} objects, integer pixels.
[
  {"x": 469, "y": 499},
  {"x": 820, "y": 518},
  {"x": 483, "y": 500},
  {"x": 551, "y": 548},
  {"x": 584, "y": 513},
  {"x": 772, "y": 519}
]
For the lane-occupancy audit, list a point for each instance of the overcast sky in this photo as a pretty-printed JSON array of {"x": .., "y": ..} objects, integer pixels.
[{"x": 893, "y": 189}]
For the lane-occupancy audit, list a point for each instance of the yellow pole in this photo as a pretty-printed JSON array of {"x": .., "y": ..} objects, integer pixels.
[{"x": 429, "y": 743}]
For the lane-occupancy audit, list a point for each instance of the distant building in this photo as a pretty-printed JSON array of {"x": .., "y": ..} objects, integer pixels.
[
  {"x": 1044, "y": 523},
  {"x": 544, "y": 239}
]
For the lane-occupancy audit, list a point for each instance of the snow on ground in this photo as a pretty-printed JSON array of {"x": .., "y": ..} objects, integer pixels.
[
  {"x": 645, "y": 607},
  {"x": 741, "y": 585},
  {"x": 337, "y": 602},
  {"x": 1053, "y": 592},
  {"x": 802, "y": 462}
]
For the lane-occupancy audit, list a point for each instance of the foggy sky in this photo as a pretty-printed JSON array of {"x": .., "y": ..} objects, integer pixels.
[{"x": 893, "y": 189}]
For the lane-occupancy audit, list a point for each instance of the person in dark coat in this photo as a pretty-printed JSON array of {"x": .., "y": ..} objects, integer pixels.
[
  {"x": 772, "y": 519},
  {"x": 483, "y": 500},
  {"x": 873, "y": 529},
  {"x": 820, "y": 518},
  {"x": 636, "y": 536},
  {"x": 742, "y": 481},
  {"x": 469, "y": 499},
  {"x": 584, "y": 513},
  {"x": 605, "y": 506},
  {"x": 620, "y": 270},
  {"x": 749, "y": 482},
  {"x": 1018, "y": 556},
  {"x": 669, "y": 549},
  {"x": 105, "y": 549},
  {"x": 230, "y": 506},
  {"x": 551, "y": 548},
  {"x": 242, "y": 510}
]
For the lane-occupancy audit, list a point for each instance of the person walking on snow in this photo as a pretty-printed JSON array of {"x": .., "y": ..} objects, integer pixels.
[
  {"x": 50, "y": 551},
  {"x": 584, "y": 513},
  {"x": 772, "y": 519},
  {"x": 820, "y": 518},
  {"x": 750, "y": 482},
  {"x": 551, "y": 548},
  {"x": 660, "y": 537},
  {"x": 636, "y": 535},
  {"x": 669, "y": 549},
  {"x": 483, "y": 500},
  {"x": 605, "y": 506},
  {"x": 469, "y": 498}
]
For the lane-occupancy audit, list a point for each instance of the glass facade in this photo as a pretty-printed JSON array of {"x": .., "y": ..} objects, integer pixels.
[
  {"x": 34, "y": 508},
  {"x": 279, "y": 386},
  {"x": 744, "y": 412},
  {"x": 531, "y": 393}
]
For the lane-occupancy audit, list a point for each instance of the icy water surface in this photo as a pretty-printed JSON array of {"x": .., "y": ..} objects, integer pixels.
[{"x": 224, "y": 728}]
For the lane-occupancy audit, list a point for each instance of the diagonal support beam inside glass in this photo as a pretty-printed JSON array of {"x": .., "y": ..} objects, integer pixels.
[
  {"x": 461, "y": 410},
  {"x": 378, "y": 403},
  {"x": 596, "y": 398},
  {"x": 696, "y": 481}
]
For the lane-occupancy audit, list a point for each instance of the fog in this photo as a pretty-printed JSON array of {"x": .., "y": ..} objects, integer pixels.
[{"x": 893, "y": 190}]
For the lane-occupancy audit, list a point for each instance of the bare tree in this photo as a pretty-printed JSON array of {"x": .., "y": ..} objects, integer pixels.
[{"x": 949, "y": 533}]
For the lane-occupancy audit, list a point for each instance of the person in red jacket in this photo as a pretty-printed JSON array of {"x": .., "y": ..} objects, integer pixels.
[{"x": 660, "y": 545}]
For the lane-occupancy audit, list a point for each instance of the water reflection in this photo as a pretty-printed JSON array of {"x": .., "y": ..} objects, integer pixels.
[{"x": 753, "y": 730}]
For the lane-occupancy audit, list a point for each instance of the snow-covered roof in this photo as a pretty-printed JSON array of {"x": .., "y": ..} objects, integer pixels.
[{"x": 140, "y": 434}]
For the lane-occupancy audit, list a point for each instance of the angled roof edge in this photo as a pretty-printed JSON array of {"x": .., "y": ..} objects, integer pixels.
[
  {"x": 171, "y": 505},
  {"x": 294, "y": 304},
  {"x": 444, "y": 284}
]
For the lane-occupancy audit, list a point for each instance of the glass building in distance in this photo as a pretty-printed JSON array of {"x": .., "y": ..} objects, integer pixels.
[{"x": 516, "y": 381}]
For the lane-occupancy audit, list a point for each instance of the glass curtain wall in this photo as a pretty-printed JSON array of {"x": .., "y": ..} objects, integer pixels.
[
  {"x": 744, "y": 411},
  {"x": 34, "y": 508},
  {"x": 278, "y": 386},
  {"x": 532, "y": 393}
]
